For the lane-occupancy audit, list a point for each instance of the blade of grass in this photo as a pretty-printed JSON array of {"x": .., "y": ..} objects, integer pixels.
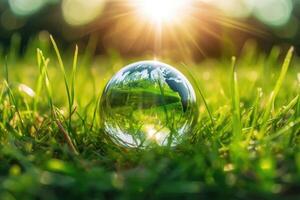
[
  {"x": 292, "y": 125},
  {"x": 39, "y": 80},
  {"x": 6, "y": 75},
  {"x": 297, "y": 114},
  {"x": 52, "y": 107},
  {"x": 235, "y": 102},
  {"x": 201, "y": 94},
  {"x": 254, "y": 114},
  {"x": 44, "y": 74},
  {"x": 11, "y": 95},
  {"x": 290, "y": 106},
  {"x": 65, "y": 133},
  {"x": 62, "y": 68},
  {"x": 74, "y": 69},
  {"x": 95, "y": 111},
  {"x": 14, "y": 102},
  {"x": 274, "y": 93}
]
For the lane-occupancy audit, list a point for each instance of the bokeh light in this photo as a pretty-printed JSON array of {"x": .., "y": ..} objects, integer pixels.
[
  {"x": 289, "y": 30},
  {"x": 9, "y": 21},
  {"x": 270, "y": 12},
  {"x": 26, "y": 7},
  {"x": 273, "y": 12},
  {"x": 79, "y": 12}
]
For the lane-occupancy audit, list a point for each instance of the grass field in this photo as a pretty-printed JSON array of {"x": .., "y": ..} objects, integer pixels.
[{"x": 245, "y": 144}]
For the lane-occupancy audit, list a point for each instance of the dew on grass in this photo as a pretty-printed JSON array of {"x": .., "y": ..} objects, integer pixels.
[
  {"x": 148, "y": 103},
  {"x": 21, "y": 92},
  {"x": 22, "y": 88}
]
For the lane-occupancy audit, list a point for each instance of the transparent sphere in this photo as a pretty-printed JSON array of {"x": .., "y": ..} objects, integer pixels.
[{"x": 148, "y": 103}]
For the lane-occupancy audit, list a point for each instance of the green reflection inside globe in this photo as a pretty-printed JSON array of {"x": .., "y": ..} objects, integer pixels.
[{"x": 148, "y": 103}]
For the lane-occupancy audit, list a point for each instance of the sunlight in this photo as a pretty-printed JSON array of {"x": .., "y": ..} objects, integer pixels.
[
  {"x": 159, "y": 11},
  {"x": 158, "y": 136}
]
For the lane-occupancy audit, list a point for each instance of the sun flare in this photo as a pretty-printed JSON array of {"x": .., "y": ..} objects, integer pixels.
[{"x": 159, "y": 11}]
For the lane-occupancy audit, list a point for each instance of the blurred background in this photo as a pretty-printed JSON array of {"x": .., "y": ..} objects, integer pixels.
[{"x": 181, "y": 28}]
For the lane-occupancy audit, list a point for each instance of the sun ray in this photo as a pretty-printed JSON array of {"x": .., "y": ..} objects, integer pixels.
[{"x": 162, "y": 26}]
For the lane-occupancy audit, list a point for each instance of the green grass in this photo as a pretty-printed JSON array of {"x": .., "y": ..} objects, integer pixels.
[{"x": 244, "y": 146}]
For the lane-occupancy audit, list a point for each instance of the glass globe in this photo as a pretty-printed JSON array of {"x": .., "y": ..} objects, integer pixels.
[{"x": 148, "y": 103}]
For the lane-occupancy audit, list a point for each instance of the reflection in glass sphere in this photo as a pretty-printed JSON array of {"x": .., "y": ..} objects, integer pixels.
[{"x": 148, "y": 103}]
